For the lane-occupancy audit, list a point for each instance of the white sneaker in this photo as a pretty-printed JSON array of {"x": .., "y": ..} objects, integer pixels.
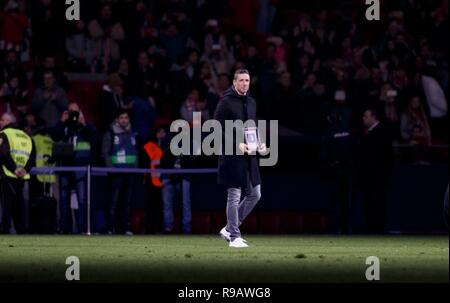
[
  {"x": 238, "y": 242},
  {"x": 225, "y": 234}
]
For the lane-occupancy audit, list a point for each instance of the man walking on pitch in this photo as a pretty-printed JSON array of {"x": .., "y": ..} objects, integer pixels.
[{"x": 238, "y": 172}]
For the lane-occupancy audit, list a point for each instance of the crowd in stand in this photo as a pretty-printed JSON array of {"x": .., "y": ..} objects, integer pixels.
[
  {"x": 166, "y": 59},
  {"x": 175, "y": 57}
]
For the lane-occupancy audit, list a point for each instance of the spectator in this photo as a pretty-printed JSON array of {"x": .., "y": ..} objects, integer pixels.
[
  {"x": 13, "y": 24},
  {"x": 390, "y": 108},
  {"x": 252, "y": 61},
  {"x": 220, "y": 59},
  {"x": 107, "y": 34},
  {"x": 124, "y": 73},
  {"x": 336, "y": 158},
  {"x": 80, "y": 49},
  {"x": 143, "y": 115},
  {"x": 306, "y": 92},
  {"x": 238, "y": 46},
  {"x": 174, "y": 186},
  {"x": 435, "y": 97},
  {"x": 279, "y": 52},
  {"x": 415, "y": 129},
  {"x": 190, "y": 106},
  {"x": 213, "y": 37},
  {"x": 245, "y": 14},
  {"x": 112, "y": 100},
  {"x": 285, "y": 106},
  {"x": 138, "y": 24},
  {"x": 75, "y": 130},
  {"x": 5, "y": 99},
  {"x": 12, "y": 67},
  {"x": 266, "y": 15},
  {"x": 19, "y": 94},
  {"x": 340, "y": 112},
  {"x": 302, "y": 37},
  {"x": 182, "y": 78},
  {"x": 158, "y": 60},
  {"x": 202, "y": 107},
  {"x": 375, "y": 162},
  {"x": 49, "y": 65},
  {"x": 401, "y": 83},
  {"x": 302, "y": 68},
  {"x": 173, "y": 41},
  {"x": 322, "y": 41},
  {"x": 119, "y": 150},
  {"x": 13, "y": 99},
  {"x": 30, "y": 123},
  {"x": 47, "y": 20},
  {"x": 144, "y": 77},
  {"x": 212, "y": 99},
  {"x": 223, "y": 84},
  {"x": 49, "y": 101},
  {"x": 206, "y": 77}
]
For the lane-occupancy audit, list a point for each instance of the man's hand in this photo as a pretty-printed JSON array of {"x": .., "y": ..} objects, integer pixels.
[
  {"x": 262, "y": 148},
  {"x": 81, "y": 119},
  {"x": 65, "y": 116},
  {"x": 20, "y": 172},
  {"x": 244, "y": 148}
]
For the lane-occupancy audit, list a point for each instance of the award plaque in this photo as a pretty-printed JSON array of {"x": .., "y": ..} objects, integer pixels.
[{"x": 251, "y": 136}]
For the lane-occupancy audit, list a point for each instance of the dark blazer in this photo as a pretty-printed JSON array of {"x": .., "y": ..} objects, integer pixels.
[
  {"x": 235, "y": 169},
  {"x": 375, "y": 157}
]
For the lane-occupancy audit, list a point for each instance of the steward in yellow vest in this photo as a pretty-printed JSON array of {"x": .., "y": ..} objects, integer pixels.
[
  {"x": 17, "y": 153},
  {"x": 44, "y": 146},
  {"x": 17, "y": 156}
]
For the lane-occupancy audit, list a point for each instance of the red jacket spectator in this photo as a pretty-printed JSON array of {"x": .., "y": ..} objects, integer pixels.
[
  {"x": 245, "y": 14},
  {"x": 13, "y": 24}
]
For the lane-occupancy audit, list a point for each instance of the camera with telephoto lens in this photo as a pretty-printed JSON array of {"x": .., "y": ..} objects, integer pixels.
[{"x": 74, "y": 116}]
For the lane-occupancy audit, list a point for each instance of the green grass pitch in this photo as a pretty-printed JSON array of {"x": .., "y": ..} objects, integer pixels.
[{"x": 270, "y": 259}]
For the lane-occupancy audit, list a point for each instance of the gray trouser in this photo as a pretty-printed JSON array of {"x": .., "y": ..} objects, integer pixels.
[{"x": 238, "y": 210}]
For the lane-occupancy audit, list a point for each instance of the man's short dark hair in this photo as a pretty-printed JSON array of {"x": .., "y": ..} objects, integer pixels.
[
  {"x": 240, "y": 72},
  {"x": 374, "y": 113},
  {"x": 122, "y": 112}
]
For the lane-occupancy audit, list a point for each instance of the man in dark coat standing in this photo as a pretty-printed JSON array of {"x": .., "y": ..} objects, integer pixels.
[
  {"x": 375, "y": 163},
  {"x": 238, "y": 171}
]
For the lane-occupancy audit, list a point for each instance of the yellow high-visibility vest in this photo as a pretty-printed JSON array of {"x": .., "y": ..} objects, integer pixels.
[
  {"x": 20, "y": 146},
  {"x": 44, "y": 147}
]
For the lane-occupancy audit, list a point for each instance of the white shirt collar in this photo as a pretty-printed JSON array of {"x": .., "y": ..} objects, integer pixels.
[{"x": 373, "y": 126}]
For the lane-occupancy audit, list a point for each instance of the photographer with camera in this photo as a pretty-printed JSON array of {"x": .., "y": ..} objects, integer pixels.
[{"x": 75, "y": 131}]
